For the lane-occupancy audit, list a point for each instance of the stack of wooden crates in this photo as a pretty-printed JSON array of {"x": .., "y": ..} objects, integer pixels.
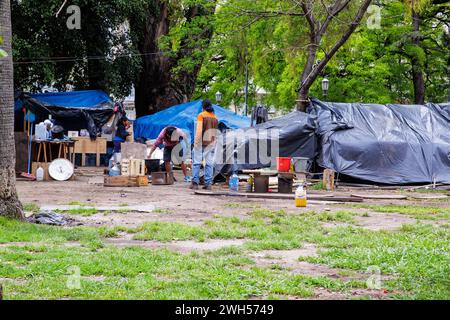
[{"x": 132, "y": 175}]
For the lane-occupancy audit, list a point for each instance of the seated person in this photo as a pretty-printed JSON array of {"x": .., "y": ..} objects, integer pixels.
[
  {"x": 121, "y": 133},
  {"x": 174, "y": 139}
]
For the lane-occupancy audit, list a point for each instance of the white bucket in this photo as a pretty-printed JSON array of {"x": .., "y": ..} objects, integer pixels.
[{"x": 300, "y": 164}]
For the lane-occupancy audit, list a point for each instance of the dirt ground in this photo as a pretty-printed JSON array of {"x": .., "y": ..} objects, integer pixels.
[
  {"x": 182, "y": 205},
  {"x": 177, "y": 203}
]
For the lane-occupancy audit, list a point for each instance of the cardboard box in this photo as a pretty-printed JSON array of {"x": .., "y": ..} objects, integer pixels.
[
  {"x": 36, "y": 165},
  {"x": 73, "y": 134}
]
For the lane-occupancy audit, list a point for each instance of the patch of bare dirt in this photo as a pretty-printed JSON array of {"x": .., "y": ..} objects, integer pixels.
[
  {"x": 178, "y": 246},
  {"x": 383, "y": 221},
  {"x": 289, "y": 259},
  {"x": 36, "y": 244},
  {"x": 13, "y": 280}
]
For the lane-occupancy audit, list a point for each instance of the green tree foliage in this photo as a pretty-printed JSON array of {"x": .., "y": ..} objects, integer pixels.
[
  {"x": 373, "y": 66},
  {"x": 155, "y": 45},
  {"x": 97, "y": 56}
]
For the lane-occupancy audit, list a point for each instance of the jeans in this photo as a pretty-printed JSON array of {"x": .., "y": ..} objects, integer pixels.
[{"x": 200, "y": 153}]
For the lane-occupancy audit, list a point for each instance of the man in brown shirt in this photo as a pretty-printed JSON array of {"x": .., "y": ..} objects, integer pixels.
[{"x": 204, "y": 143}]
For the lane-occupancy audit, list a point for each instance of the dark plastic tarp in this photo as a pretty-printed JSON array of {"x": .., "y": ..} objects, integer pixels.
[
  {"x": 391, "y": 144},
  {"x": 292, "y": 135},
  {"x": 74, "y": 110},
  {"x": 184, "y": 116}
]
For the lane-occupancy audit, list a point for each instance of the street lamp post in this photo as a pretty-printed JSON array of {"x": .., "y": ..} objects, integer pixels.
[{"x": 325, "y": 86}]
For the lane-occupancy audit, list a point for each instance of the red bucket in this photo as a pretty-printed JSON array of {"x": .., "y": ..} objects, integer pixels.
[{"x": 283, "y": 164}]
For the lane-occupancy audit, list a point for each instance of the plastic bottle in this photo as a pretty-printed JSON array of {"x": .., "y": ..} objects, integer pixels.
[
  {"x": 40, "y": 132},
  {"x": 234, "y": 179},
  {"x": 249, "y": 187},
  {"x": 115, "y": 170},
  {"x": 40, "y": 174},
  {"x": 300, "y": 196},
  {"x": 234, "y": 182}
]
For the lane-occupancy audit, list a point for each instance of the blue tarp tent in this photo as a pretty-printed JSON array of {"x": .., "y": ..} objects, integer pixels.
[
  {"x": 74, "y": 110},
  {"x": 74, "y": 99},
  {"x": 184, "y": 116}
]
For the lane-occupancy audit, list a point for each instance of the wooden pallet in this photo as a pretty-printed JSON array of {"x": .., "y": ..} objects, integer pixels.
[{"x": 125, "y": 181}]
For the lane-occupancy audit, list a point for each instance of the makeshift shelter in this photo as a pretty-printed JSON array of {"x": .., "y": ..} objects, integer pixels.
[
  {"x": 184, "y": 116},
  {"x": 75, "y": 110},
  {"x": 392, "y": 144},
  {"x": 292, "y": 135}
]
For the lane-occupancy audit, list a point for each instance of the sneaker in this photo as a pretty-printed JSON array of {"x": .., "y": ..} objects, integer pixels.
[
  {"x": 207, "y": 187},
  {"x": 187, "y": 179},
  {"x": 194, "y": 186}
]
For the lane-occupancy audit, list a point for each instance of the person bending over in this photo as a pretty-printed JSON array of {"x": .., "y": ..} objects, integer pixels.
[{"x": 175, "y": 148}]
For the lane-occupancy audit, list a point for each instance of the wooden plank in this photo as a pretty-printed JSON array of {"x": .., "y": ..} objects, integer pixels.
[
  {"x": 429, "y": 196},
  {"x": 278, "y": 196},
  {"x": 380, "y": 196}
]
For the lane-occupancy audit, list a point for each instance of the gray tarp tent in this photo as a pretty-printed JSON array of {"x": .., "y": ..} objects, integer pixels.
[
  {"x": 392, "y": 144},
  {"x": 293, "y": 134}
]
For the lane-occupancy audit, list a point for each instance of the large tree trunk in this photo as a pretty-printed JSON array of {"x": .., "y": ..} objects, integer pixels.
[
  {"x": 153, "y": 88},
  {"x": 157, "y": 86},
  {"x": 417, "y": 72},
  {"x": 9, "y": 202}
]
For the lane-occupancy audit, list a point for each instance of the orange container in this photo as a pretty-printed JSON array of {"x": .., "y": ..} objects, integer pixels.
[{"x": 283, "y": 164}]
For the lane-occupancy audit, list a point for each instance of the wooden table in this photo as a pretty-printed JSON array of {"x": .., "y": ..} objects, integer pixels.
[
  {"x": 65, "y": 150},
  {"x": 85, "y": 145}
]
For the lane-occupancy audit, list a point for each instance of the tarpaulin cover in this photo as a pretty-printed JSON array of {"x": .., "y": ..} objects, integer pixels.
[
  {"x": 392, "y": 144},
  {"x": 75, "y": 110},
  {"x": 184, "y": 116},
  {"x": 292, "y": 135}
]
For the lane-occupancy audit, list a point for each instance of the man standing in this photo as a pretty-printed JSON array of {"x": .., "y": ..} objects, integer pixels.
[
  {"x": 204, "y": 143},
  {"x": 171, "y": 137}
]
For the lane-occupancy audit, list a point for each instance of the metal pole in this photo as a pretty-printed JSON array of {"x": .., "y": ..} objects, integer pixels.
[{"x": 246, "y": 89}]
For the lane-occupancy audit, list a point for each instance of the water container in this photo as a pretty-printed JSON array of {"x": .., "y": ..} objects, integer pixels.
[
  {"x": 300, "y": 197},
  {"x": 115, "y": 170},
  {"x": 249, "y": 186},
  {"x": 234, "y": 182},
  {"x": 40, "y": 132},
  {"x": 40, "y": 174}
]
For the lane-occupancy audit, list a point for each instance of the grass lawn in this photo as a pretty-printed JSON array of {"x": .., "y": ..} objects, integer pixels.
[{"x": 42, "y": 262}]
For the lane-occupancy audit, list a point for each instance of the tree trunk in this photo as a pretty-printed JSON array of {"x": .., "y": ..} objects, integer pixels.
[
  {"x": 417, "y": 72},
  {"x": 311, "y": 71},
  {"x": 158, "y": 87},
  {"x": 153, "y": 87},
  {"x": 9, "y": 203},
  {"x": 302, "y": 102}
]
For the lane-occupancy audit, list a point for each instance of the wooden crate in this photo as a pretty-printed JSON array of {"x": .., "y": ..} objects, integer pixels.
[
  {"x": 142, "y": 181},
  {"x": 133, "y": 167},
  {"x": 125, "y": 181}
]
